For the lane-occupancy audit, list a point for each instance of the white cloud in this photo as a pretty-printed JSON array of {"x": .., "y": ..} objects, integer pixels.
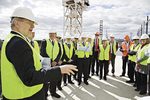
[{"x": 119, "y": 16}]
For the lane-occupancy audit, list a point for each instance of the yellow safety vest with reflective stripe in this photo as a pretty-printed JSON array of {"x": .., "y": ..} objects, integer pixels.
[
  {"x": 134, "y": 57},
  {"x": 12, "y": 86},
  {"x": 51, "y": 50},
  {"x": 141, "y": 53},
  {"x": 36, "y": 46},
  {"x": 104, "y": 53},
  {"x": 83, "y": 54},
  {"x": 69, "y": 51}
]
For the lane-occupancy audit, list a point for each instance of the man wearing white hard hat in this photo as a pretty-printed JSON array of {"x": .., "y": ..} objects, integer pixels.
[
  {"x": 68, "y": 57},
  {"x": 113, "y": 50},
  {"x": 83, "y": 60},
  {"x": 104, "y": 58},
  {"x": 132, "y": 58},
  {"x": 90, "y": 43},
  {"x": 142, "y": 64},
  {"x": 21, "y": 69}
]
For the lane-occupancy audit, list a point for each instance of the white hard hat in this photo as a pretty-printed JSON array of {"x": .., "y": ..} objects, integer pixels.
[
  {"x": 24, "y": 12},
  {"x": 144, "y": 36},
  {"x": 111, "y": 35},
  {"x": 104, "y": 38},
  {"x": 83, "y": 35},
  {"x": 59, "y": 35},
  {"x": 68, "y": 36},
  {"x": 76, "y": 36},
  {"x": 135, "y": 37}
]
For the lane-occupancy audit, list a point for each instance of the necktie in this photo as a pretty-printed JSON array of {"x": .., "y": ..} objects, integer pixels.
[
  {"x": 83, "y": 44},
  {"x": 32, "y": 43},
  {"x": 96, "y": 44},
  {"x": 53, "y": 43},
  {"x": 69, "y": 46}
]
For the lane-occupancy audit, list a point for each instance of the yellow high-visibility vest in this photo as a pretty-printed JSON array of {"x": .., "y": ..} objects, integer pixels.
[
  {"x": 36, "y": 46},
  {"x": 12, "y": 86},
  {"x": 82, "y": 54},
  {"x": 104, "y": 53},
  {"x": 51, "y": 50},
  {"x": 134, "y": 57},
  {"x": 148, "y": 61},
  {"x": 69, "y": 51},
  {"x": 141, "y": 53}
]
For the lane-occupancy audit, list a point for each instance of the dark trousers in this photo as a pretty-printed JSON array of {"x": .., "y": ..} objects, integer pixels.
[
  {"x": 95, "y": 60},
  {"x": 124, "y": 60},
  {"x": 149, "y": 82},
  {"x": 131, "y": 67},
  {"x": 103, "y": 65},
  {"x": 143, "y": 87},
  {"x": 138, "y": 80},
  {"x": 53, "y": 85},
  {"x": 65, "y": 76},
  {"x": 90, "y": 63},
  {"x": 83, "y": 68},
  {"x": 75, "y": 62},
  {"x": 113, "y": 56}
]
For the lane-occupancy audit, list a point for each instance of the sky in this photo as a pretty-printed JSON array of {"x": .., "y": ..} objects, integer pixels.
[{"x": 120, "y": 17}]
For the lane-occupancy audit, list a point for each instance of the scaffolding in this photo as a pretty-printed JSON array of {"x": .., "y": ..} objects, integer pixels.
[{"x": 73, "y": 10}]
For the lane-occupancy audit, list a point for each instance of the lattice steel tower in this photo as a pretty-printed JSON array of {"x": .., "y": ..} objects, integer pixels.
[{"x": 73, "y": 10}]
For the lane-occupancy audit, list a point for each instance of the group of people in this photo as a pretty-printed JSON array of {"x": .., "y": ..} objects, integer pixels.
[
  {"x": 136, "y": 54},
  {"x": 82, "y": 51}
]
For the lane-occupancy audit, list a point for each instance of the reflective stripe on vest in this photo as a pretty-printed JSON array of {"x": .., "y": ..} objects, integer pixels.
[
  {"x": 36, "y": 46},
  {"x": 82, "y": 54},
  {"x": 104, "y": 53},
  {"x": 141, "y": 55},
  {"x": 68, "y": 51},
  {"x": 12, "y": 86},
  {"x": 51, "y": 50}
]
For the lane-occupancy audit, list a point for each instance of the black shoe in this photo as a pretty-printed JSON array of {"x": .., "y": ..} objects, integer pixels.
[
  {"x": 113, "y": 75},
  {"x": 89, "y": 76},
  {"x": 134, "y": 85},
  {"x": 86, "y": 83},
  {"x": 97, "y": 74},
  {"x": 100, "y": 78},
  {"x": 122, "y": 75},
  {"x": 55, "y": 95},
  {"x": 59, "y": 88},
  {"x": 142, "y": 93},
  {"x": 92, "y": 74},
  {"x": 79, "y": 83},
  {"x": 130, "y": 81},
  {"x": 137, "y": 89},
  {"x": 105, "y": 78},
  {"x": 65, "y": 84},
  {"x": 71, "y": 82}
]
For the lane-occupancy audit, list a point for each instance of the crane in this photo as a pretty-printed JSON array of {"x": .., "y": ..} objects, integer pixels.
[{"x": 73, "y": 10}]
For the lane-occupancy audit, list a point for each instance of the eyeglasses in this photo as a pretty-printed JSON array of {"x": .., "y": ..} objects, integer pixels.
[{"x": 28, "y": 22}]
